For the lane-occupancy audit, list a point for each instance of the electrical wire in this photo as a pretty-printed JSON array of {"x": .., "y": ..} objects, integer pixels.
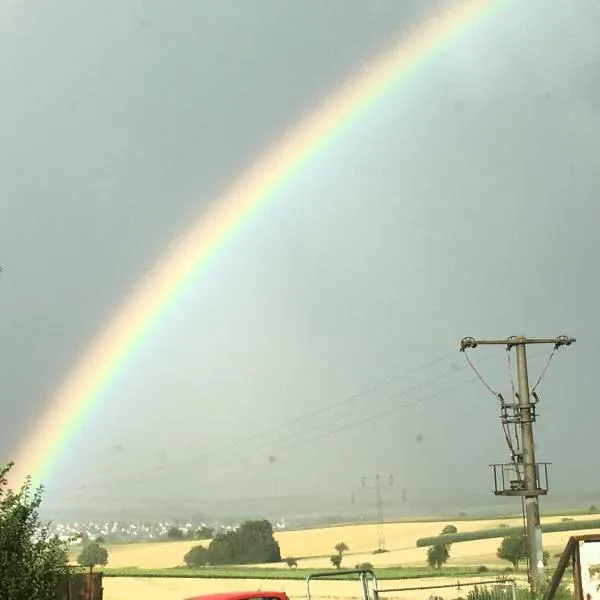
[
  {"x": 544, "y": 370},
  {"x": 495, "y": 394}
]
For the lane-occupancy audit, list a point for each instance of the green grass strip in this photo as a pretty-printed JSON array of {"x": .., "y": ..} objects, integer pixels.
[{"x": 500, "y": 532}]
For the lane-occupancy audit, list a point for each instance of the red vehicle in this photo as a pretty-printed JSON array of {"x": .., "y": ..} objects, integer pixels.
[
  {"x": 367, "y": 580},
  {"x": 258, "y": 595}
]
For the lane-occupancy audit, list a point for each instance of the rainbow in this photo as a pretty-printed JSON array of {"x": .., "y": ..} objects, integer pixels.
[{"x": 115, "y": 347}]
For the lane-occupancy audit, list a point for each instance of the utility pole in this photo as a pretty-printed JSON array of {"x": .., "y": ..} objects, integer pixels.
[
  {"x": 379, "y": 503},
  {"x": 528, "y": 483}
]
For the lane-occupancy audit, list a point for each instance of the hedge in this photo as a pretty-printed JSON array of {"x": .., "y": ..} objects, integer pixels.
[{"x": 501, "y": 532}]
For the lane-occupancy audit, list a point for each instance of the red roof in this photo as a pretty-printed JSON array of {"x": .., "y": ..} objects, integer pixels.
[{"x": 241, "y": 595}]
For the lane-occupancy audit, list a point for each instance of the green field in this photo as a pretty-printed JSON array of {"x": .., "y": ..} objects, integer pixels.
[{"x": 278, "y": 574}]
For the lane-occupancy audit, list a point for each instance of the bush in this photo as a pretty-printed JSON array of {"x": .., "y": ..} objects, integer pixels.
[
  {"x": 336, "y": 560},
  {"x": 500, "y": 532},
  {"x": 197, "y": 556},
  {"x": 482, "y": 569},
  {"x": 291, "y": 562},
  {"x": 363, "y": 565},
  {"x": 252, "y": 543},
  {"x": 31, "y": 561},
  {"x": 449, "y": 529}
]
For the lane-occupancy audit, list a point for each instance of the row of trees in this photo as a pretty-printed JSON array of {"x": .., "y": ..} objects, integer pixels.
[
  {"x": 512, "y": 548},
  {"x": 251, "y": 543},
  {"x": 202, "y": 533}
]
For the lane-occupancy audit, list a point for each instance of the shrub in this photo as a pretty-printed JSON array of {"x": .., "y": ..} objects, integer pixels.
[
  {"x": 500, "y": 532},
  {"x": 251, "y": 543},
  {"x": 482, "y": 569},
  {"x": 449, "y": 529},
  {"x": 291, "y": 562},
  {"x": 197, "y": 556},
  {"x": 336, "y": 560}
]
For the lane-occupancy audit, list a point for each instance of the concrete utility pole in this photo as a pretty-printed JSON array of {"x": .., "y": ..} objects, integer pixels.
[
  {"x": 528, "y": 483},
  {"x": 379, "y": 502}
]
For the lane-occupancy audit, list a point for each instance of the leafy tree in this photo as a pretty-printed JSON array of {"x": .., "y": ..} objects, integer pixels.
[
  {"x": 100, "y": 540},
  {"x": 197, "y": 556},
  {"x": 291, "y": 562},
  {"x": 449, "y": 529},
  {"x": 252, "y": 543},
  {"x": 175, "y": 534},
  {"x": 31, "y": 560},
  {"x": 93, "y": 554},
  {"x": 336, "y": 560},
  {"x": 341, "y": 548},
  {"x": 437, "y": 555},
  {"x": 513, "y": 548}
]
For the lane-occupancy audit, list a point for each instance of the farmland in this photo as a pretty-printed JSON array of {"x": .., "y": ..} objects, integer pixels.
[{"x": 156, "y": 571}]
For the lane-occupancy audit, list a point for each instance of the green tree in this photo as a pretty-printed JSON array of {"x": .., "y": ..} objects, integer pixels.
[
  {"x": 197, "y": 556},
  {"x": 175, "y": 534},
  {"x": 449, "y": 529},
  {"x": 336, "y": 560},
  {"x": 100, "y": 540},
  {"x": 291, "y": 562},
  {"x": 31, "y": 560},
  {"x": 513, "y": 549},
  {"x": 251, "y": 543},
  {"x": 93, "y": 554},
  {"x": 341, "y": 548},
  {"x": 437, "y": 555}
]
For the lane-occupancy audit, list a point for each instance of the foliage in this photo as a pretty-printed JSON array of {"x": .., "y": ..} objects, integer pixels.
[
  {"x": 545, "y": 558},
  {"x": 31, "y": 561},
  {"x": 291, "y": 562},
  {"x": 363, "y": 565},
  {"x": 592, "y": 509},
  {"x": 100, "y": 540},
  {"x": 482, "y": 569},
  {"x": 93, "y": 554},
  {"x": 500, "y": 532},
  {"x": 196, "y": 556},
  {"x": 252, "y": 543},
  {"x": 449, "y": 529},
  {"x": 437, "y": 555},
  {"x": 175, "y": 534},
  {"x": 513, "y": 548},
  {"x": 336, "y": 560},
  {"x": 341, "y": 547}
]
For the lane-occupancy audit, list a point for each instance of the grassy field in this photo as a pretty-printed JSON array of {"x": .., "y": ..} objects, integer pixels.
[{"x": 155, "y": 571}]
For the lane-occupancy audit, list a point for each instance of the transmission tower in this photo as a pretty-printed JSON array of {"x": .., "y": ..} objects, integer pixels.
[
  {"x": 523, "y": 477},
  {"x": 376, "y": 484}
]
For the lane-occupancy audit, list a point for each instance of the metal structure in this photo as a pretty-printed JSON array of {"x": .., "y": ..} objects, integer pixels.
[
  {"x": 571, "y": 556},
  {"x": 379, "y": 504},
  {"x": 495, "y": 589},
  {"x": 367, "y": 578},
  {"x": 523, "y": 476}
]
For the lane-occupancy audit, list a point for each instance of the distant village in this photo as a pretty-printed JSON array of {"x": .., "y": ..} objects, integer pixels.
[{"x": 111, "y": 532}]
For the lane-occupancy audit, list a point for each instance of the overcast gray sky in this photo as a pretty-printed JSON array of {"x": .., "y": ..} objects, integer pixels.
[{"x": 464, "y": 203}]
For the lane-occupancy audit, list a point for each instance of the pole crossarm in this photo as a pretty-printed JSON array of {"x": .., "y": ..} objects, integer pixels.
[{"x": 561, "y": 340}]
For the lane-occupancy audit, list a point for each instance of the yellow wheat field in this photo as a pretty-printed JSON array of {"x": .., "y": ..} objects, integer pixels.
[
  {"x": 361, "y": 540},
  {"x": 319, "y": 544}
]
